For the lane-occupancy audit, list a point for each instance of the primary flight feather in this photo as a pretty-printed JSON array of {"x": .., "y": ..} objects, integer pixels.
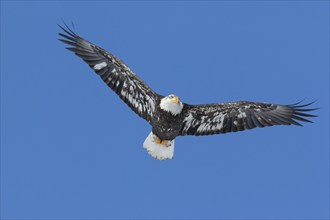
[{"x": 168, "y": 116}]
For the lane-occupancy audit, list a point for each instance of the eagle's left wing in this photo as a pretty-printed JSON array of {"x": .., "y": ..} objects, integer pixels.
[
  {"x": 238, "y": 116},
  {"x": 129, "y": 87}
]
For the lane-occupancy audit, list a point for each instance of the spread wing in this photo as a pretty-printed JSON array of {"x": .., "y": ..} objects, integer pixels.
[
  {"x": 239, "y": 116},
  {"x": 130, "y": 88}
]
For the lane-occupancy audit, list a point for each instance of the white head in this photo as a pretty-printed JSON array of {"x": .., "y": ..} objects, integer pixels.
[{"x": 172, "y": 104}]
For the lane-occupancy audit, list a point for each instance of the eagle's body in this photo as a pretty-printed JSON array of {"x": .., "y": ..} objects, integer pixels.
[
  {"x": 165, "y": 125},
  {"x": 168, "y": 116}
]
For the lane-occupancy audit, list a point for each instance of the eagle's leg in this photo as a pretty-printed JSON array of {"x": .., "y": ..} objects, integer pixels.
[
  {"x": 161, "y": 142},
  {"x": 164, "y": 142},
  {"x": 159, "y": 149}
]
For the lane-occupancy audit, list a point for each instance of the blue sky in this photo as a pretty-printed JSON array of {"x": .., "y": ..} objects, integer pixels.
[{"x": 71, "y": 149}]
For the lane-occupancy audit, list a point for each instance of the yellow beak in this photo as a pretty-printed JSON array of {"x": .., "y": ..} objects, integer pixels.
[{"x": 175, "y": 99}]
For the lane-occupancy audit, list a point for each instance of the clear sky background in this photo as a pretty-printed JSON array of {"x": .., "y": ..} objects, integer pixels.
[{"x": 70, "y": 148}]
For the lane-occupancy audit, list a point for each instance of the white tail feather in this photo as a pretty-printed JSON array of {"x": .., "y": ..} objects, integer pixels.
[{"x": 158, "y": 151}]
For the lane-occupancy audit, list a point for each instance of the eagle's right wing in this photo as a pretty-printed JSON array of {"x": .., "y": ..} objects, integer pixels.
[
  {"x": 130, "y": 88},
  {"x": 238, "y": 116}
]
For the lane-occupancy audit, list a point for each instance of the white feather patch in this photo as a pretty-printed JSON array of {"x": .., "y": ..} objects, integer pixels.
[
  {"x": 158, "y": 151},
  {"x": 100, "y": 66}
]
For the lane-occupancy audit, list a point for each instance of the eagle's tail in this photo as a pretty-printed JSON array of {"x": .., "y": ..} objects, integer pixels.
[{"x": 159, "y": 151}]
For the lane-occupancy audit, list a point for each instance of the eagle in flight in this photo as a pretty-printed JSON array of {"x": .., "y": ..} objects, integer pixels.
[{"x": 168, "y": 116}]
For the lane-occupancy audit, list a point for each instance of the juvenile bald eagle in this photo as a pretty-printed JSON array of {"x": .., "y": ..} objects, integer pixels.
[{"x": 168, "y": 116}]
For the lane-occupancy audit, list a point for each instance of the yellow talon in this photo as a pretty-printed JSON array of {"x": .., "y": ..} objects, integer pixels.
[
  {"x": 161, "y": 142},
  {"x": 158, "y": 141}
]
